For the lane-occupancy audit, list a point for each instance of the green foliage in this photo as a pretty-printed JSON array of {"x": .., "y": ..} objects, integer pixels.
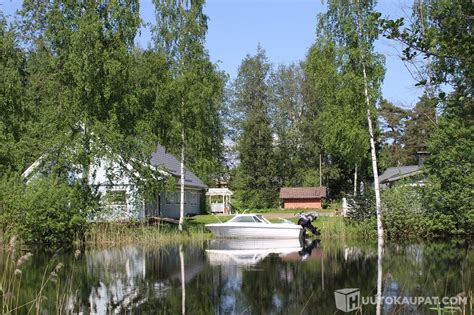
[
  {"x": 48, "y": 211},
  {"x": 55, "y": 213},
  {"x": 197, "y": 85},
  {"x": 362, "y": 206},
  {"x": 404, "y": 216},
  {"x": 419, "y": 128},
  {"x": 451, "y": 180},
  {"x": 255, "y": 178},
  {"x": 13, "y": 105},
  {"x": 441, "y": 31},
  {"x": 334, "y": 71}
]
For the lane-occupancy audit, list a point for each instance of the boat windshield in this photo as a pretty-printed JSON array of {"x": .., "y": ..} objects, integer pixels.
[
  {"x": 262, "y": 219},
  {"x": 244, "y": 219},
  {"x": 250, "y": 219}
]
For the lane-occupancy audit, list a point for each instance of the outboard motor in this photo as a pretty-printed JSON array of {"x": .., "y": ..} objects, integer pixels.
[{"x": 305, "y": 220}]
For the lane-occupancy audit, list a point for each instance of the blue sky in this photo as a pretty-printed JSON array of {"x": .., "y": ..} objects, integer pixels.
[{"x": 285, "y": 29}]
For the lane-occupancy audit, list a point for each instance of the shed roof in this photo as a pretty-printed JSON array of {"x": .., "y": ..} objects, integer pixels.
[
  {"x": 398, "y": 172},
  {"x": 302, "y": 192},
  {"x": 162, "y": 158}
]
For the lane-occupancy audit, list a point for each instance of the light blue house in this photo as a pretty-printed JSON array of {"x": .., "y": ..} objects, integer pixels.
[
  {"x": 167, "y": 203},
  {"x": 120, "y": 197}
]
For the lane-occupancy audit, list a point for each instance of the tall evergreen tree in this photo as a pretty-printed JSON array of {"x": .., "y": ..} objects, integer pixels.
[
  {"x": 286, "y": 113},
  {"x": 256, "y": 174},
  {"x": 419, "y": 128},
  {"x": 394, "y": 120}
]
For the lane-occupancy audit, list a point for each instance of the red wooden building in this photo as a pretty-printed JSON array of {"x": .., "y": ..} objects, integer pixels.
[{"x": 302, "y": 197}]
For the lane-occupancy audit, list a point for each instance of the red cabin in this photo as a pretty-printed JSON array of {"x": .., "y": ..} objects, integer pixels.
[{"x": 302, "y": 197}]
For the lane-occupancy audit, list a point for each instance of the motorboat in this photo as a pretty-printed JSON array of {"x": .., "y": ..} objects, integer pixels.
[{"x": 255, "y": 226}]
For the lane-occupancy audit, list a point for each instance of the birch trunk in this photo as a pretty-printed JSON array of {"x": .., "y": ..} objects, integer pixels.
[
  {"x": 181, "y": 202},
  {"x": 372, "y": 141},
  {"x": 355, "y": 180},
  {"x": 380, "y": 241},
  {"x": 374, "y": 160}
]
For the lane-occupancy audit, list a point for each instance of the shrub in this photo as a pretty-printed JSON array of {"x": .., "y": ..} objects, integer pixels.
[
  {"x": 403, "y": 213},
  {"x": 47, "y": 211},
  {"x": 55, "y": 212}
]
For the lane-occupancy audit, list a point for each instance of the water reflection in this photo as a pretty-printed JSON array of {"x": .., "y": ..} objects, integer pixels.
[
  {"x": 248, "y": 252},
  {"x": 253, "y": 277}
]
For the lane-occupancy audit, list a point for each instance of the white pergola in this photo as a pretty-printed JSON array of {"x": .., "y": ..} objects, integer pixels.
[{"x": 219, "y": 199}]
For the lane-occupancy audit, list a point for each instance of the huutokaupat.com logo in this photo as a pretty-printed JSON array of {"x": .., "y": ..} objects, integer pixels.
[{"x": 349, "y": 299}]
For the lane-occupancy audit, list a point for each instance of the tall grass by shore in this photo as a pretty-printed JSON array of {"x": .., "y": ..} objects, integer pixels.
[{"x": 112, "y": 233}]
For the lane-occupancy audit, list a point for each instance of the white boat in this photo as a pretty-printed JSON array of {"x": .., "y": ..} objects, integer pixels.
[{"x": 254, "y": 226}]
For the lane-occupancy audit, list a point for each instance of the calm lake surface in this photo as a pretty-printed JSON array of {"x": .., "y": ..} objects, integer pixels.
[{"x": 245, "y": 277}]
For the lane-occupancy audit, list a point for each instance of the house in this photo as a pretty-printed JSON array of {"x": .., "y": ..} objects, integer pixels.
[
  {"x": 302, "y": 197},
  {"x": 167, "y": 204},
  {"x": 120, "y": 196},
  {"x": 394, "y": 174},
  {"x": 412, "y": 173}
]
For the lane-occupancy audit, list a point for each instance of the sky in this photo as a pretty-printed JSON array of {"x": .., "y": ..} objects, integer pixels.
[{"x": 285, "y": 29}]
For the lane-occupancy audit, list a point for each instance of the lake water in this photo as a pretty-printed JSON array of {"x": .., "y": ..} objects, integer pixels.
[{"x": 249, "y": 277}]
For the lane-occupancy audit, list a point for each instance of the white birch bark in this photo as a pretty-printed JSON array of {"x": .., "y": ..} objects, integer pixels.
[
  {"x": 380, "y": 241},
  {"x": 181, "y": 202},
  {"x": 355, "y": 180}
]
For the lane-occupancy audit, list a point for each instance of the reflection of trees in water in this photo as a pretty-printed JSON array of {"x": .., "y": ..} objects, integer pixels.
[
  {"x": 124, "y": 277},
  {"x": 435, "y": 269},
  {"x": 287, "y": 287}
]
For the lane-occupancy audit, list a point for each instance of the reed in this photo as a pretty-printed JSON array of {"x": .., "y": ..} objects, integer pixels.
[{"x": 114, "y": 233}]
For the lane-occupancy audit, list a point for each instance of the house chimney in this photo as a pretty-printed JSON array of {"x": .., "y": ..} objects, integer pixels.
[{"x": 421, "y": 156}]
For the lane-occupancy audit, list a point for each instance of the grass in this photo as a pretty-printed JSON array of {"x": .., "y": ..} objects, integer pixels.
[
  {"x": 11, "y": 283},
  {"x": 111, "y": 233},
  {"x": 332, "y": 227}
]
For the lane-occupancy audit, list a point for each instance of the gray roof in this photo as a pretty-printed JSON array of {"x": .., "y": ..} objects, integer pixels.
[
  {"x": 162, "y": 158},
  {"x": 399, "y": 171}
]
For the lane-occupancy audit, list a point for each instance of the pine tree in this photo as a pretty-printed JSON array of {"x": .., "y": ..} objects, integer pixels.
[
  {"x": 256, "y": 174},
  {"x": 394, "y": 122}
]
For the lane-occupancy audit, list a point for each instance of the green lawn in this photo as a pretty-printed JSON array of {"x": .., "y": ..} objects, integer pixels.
[{"x": 331, "y": 227}]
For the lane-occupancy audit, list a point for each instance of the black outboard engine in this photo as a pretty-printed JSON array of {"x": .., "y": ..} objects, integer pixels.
[{"x": 305, "y": 220}]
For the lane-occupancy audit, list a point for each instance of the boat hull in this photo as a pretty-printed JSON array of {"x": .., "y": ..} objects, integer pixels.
[{"x": 264, "y": 231}]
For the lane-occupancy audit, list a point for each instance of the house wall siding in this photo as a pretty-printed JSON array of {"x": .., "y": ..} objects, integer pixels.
[
  {"x": 306, "y": 203},
  {"x": 169, "y": 207}
]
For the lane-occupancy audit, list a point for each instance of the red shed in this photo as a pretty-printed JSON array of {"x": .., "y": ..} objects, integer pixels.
[{"x": 302, "y": 197}]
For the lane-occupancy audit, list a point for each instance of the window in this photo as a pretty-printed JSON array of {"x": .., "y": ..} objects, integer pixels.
[
  {"x": 116, "y": 197},
  {"x": 246, "y": 219}
]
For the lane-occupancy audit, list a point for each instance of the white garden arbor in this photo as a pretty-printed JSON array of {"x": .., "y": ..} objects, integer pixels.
[{"x": 219, "y": 200}]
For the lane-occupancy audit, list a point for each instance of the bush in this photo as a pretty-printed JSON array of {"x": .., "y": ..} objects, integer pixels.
[
  {"x": 362, "y": 206},
  {"x": 55, "y": 212},
  {"x": 403, "y": 213},
  {"x": 47, "y": 211}
]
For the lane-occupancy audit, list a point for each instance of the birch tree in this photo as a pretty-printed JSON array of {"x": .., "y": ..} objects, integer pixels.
[
  {"x": 197, "y": 88},
  {"x": 359, "y": 72}
]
